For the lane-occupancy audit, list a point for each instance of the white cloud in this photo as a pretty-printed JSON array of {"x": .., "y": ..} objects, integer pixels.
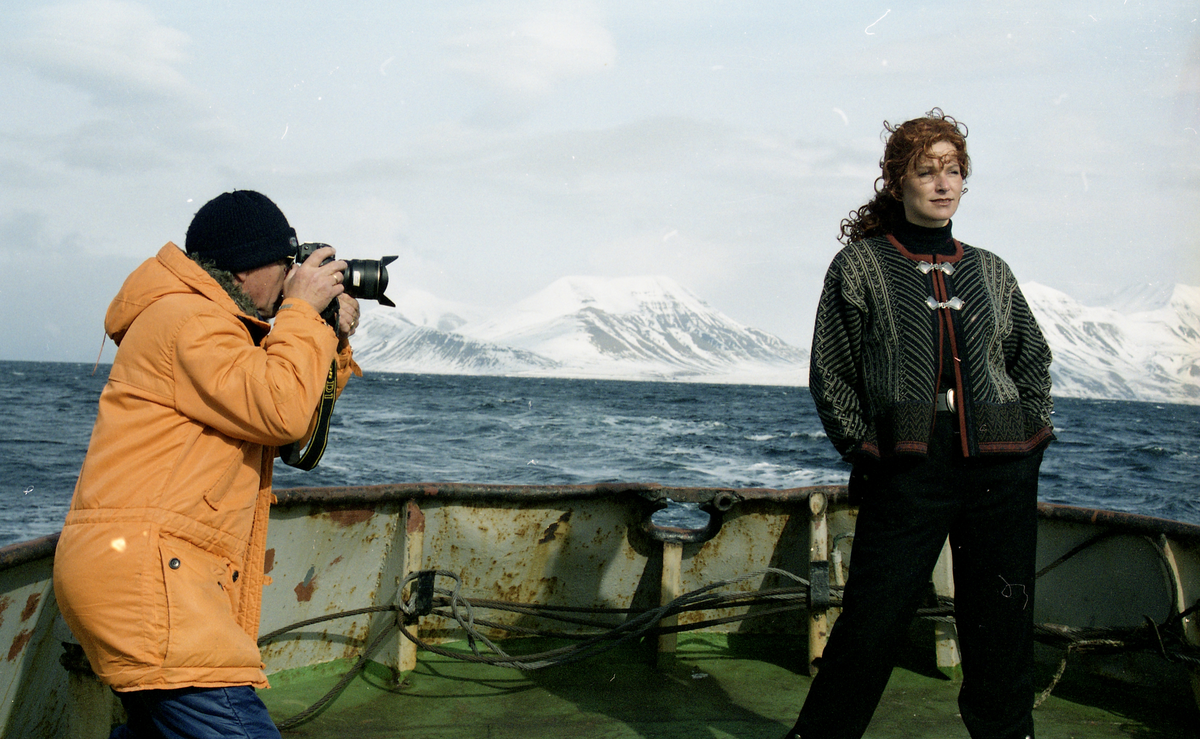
[
  {"x": 529, "y": 55},
  {"x": 121, "y": 102},
  {"x": 116, "y": 52}
]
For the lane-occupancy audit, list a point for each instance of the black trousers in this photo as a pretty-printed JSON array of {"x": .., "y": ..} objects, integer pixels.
[{"x": 988, "y": 508}]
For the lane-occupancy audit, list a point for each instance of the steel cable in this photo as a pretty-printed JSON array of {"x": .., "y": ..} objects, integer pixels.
[{"x": 449, "y": 604}]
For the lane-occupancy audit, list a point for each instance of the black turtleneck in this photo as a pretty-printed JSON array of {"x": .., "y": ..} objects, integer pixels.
[{"x": 924, "y": 240}]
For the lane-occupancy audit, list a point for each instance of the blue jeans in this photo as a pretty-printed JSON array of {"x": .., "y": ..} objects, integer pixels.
[{"x": 195, "y": 713}]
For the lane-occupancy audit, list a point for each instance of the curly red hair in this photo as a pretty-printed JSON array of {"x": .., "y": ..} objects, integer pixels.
[{"x": 906, "y": 144}]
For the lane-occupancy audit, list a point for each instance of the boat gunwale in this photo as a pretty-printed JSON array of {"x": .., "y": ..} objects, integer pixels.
[
  {"x": 1133, "y": 523},
  {"x": 15, "y": 555},
  {"x": 479, "y": 491},
  {"x": 24, "y": 552}
]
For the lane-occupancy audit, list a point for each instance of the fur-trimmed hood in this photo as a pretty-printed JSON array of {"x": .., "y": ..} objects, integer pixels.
[{"x": 172, "y": 272}]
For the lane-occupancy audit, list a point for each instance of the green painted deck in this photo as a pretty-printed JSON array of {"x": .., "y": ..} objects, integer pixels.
[{"x": 718, "y": 686}]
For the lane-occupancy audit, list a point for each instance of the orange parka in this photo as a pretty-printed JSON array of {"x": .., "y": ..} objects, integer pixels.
[{"x": 159, "y": 568}]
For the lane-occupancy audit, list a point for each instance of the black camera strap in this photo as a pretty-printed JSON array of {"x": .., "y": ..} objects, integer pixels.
[{"x": 307, "y": 459}]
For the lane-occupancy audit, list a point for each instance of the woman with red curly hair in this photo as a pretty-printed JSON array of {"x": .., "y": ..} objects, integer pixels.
[{"x": 932, "y": 379}]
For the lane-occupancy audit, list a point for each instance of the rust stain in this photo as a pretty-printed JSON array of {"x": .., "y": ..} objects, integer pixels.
[
  {"x": 304, "y": 590},
  {"x": 336, "y": 560},
  {"x": 356, "y": 639},
  {"x": 4, "y": 603},
  {"x": 416, "y": 519},
  {"x": 31, "y": 606},
  {"x": 269, "y": 561},
  {"x": 352, "y": 516},
  {"x": 552, "y": 529},
  {"x": 18, "y": 643}
]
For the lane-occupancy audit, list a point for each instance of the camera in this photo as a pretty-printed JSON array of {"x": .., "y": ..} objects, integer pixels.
[{"x": 364, "y": 279}]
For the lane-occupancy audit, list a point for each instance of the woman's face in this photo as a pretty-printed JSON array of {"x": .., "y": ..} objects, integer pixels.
[{"x": 931, "y": 191}]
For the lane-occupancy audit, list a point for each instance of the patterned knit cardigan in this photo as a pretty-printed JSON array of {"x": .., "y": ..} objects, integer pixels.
[{"x": 877, "y": 352}]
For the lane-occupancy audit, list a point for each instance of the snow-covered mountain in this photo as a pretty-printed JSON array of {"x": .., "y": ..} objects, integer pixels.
[
  {"x": 387, "y": 341},
  {"x": 647, "y": 328},
  {"x": 1144, "y": 345},
  {"x": 424, "y": 309}
]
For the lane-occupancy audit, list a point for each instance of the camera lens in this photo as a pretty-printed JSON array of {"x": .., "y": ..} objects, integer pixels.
[
  {"x": 368, "y": 279},
  {"x": 363, "y": 278}
]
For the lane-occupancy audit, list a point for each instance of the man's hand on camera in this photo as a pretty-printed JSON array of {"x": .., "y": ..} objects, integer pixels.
[
  {"x": 347, "y": 318},
  {"x": 314, "y": 282}
]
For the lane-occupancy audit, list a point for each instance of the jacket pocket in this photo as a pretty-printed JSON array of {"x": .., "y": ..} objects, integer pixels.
[
  {"x": 207, "y": 464},
  {"x": 202, "y": 630},
  {"x": 215, "y": 495}
]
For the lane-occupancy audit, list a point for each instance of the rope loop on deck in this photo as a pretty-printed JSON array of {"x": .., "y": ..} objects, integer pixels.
[
  {"x": 426, "y": 599},
  {"x": 641, "y": 623},
  {"x": 462, "y": 612}
]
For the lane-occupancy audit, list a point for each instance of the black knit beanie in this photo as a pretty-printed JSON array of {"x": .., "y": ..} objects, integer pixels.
[{"x": 240, "y": 230}]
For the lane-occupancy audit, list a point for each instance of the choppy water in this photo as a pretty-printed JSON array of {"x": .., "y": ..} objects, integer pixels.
[{"x": 1136, "y": 457}]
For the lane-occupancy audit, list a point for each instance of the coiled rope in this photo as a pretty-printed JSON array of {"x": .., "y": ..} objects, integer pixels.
[{"x": 449, "y": 603}]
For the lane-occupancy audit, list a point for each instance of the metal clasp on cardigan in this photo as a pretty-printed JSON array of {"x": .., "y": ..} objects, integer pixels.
[
  {"x": 946, "y": 268},
  {"x": 945, "y": 401},
  {"x": 952, "y": 303}
]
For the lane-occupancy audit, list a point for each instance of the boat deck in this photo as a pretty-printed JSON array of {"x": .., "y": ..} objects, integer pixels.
[
  {"x": 716, "y": 686},
  {"x": 589, "y": 561}
]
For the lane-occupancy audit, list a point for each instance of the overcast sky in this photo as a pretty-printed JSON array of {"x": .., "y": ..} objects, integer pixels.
[{"x": 498, "y": 146}]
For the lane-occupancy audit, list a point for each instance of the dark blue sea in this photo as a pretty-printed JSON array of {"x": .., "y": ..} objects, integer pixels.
[{"x": 1135, "y": 457}]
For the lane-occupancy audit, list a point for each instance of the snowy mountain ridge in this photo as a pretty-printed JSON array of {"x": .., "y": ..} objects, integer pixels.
[
  {"x": 632, "y": 328},
  {"x": 1144, "y": 345},
  {"x": 1146, "y": 348}
]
